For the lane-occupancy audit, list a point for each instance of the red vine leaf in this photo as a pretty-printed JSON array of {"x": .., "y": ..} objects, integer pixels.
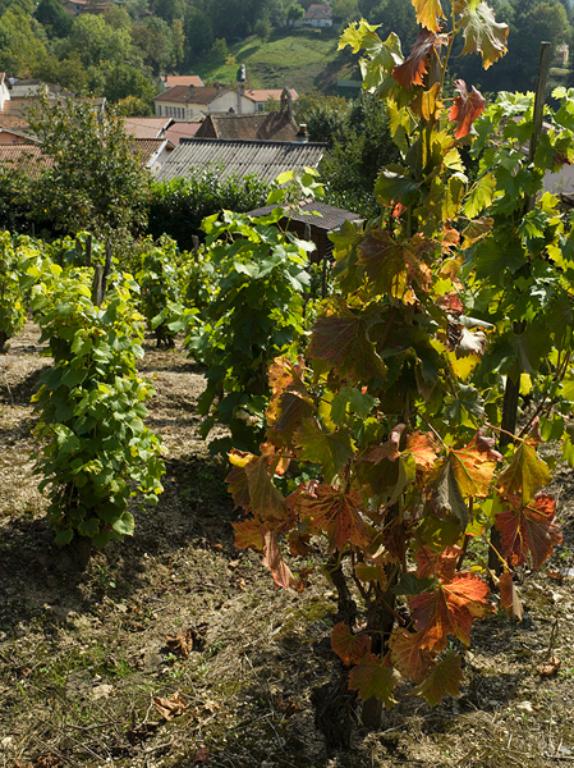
[
  {"x": 441, "y": 564},
  {"x": 372, "y": 678},
  {"x": 467, "y": 107},
  {"x": 412, "y": 661},
  {"x": 529, "y": 531},
  {"x": 350, "y": 648},
  {"x": 334, "y": 513},
  {"x": 509, "y": 599},
  {"x": 272, "y": 559},
  {"x": 449, "y": 610},
  {"x": 415, "y": 66},
  {"x": 444, "y": 679}
]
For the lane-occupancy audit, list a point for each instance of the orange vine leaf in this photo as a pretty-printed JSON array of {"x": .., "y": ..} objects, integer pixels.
[
  {"x": 467, "y": 107},
  {"x": 414, "y": 68},
  {"x": 350, "y": 648},
  {"x": 529, "y": 530}
]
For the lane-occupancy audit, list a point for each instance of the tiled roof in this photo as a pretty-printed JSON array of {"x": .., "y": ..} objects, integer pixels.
[
  {"x": 14, "y": 136},
  {"x": 147, "y": 127},
  {"x": 179, "y": 130},
  {"x": 146, "y": 148},
  {"x": 24, "y": 157},
  {"x": 262, "y": 95},
  {"x": 264, "y": 159},
  {"x": 271, "y": 126},
  {"x": 183, "y": 94},
  {"x": 187, "y": 80},
  {"x": 319, "y": 11}
]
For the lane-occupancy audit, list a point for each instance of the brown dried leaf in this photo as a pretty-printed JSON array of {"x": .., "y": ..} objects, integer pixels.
[
  {"x": 181, "y": 644},
  {"x": 172, "y": 707},
  {"x": 549, "y": 668}
]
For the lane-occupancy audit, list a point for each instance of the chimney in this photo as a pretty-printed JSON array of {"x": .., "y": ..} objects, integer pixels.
[
  {"x": 241, "y": 78},
  {"x": 303, "y": 134}
]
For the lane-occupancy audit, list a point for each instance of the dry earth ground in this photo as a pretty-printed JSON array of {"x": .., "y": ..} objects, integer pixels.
[{"x": 83, "y": 651}]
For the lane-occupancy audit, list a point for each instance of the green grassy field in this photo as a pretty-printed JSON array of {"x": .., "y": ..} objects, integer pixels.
[{"x": 304, "y": 60}]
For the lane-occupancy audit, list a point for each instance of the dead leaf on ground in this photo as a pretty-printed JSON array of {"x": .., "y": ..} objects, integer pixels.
[
  {"x": 550, "y": 668},
  {"x": 171, "y": 707},
  {"x": 180, "y": 644},
  {"x": 201, "y": 757},
  {"x": 186, "y": 641},
  {"x": 48, "y": 761},
  {"x": 288, "y": 706}
]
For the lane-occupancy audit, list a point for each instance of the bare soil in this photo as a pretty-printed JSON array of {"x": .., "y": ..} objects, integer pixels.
[{"x": 84, "y": 651}]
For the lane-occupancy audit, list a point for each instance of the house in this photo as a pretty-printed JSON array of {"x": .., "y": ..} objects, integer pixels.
[
  {"x": 318, "y": 16},
  {"x": 263, "y": 97},
  {"x": 179, "y": 130},
  {"x": 11, "y": 137},
  {"x": 26, "y": 158},
  {"x": 147, "y": 127},
  {"x": 270, "y": 126},
  {"x": 265, "y": 126},
  {"x": 263, "y": 159},
  {"x": 189, "y": 103},
  {"x": 153, "y": 153},
  {"x": 77, "y": 7},
  {"x": 305, "y": 222},
  {"x": 170, "y": 81},
  {"x": 4, "y": 90}
]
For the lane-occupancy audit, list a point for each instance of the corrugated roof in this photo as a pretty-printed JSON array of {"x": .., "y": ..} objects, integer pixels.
[
  {"x": 265, "y": 126},
  {"x": 264, "y": 159},
  {"x": 27, "y": 158}
]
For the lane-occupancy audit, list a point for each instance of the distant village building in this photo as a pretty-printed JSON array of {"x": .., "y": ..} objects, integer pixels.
[
  {"x": 147, "y": 127},
  {"x": 170, "y": 81},
  {"x": 263, "y": 159},
  {"x": 317, "y": 15},
  {"x": 77, "y": 7},
  {"x": 153, "y": 153},
  {"x": 184, "y": 102},
  {"x": 180, "y": 131},
  {"x": 279, "y": 125},
  {"x": 4, "y": 90},
  {"x": 10, "y": 137},
  {"x": 263, "y": 97},
  {"x": 190, "y": 103}
]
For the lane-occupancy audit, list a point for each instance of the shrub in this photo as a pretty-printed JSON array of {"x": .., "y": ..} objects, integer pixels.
[{"x": 97, "y": 452}]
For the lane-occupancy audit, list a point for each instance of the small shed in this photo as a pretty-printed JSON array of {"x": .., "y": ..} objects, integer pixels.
[{"x": 308, "y": 225}]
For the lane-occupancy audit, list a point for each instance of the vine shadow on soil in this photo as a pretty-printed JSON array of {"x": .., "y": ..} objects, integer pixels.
[{"x": 34, "y": 573}]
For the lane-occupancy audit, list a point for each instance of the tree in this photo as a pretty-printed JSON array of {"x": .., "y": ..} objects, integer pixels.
[
  {"x": 154, "y": 38},
  {"x": 96, "y": 182},
  {"x": 52, "y": 15}
]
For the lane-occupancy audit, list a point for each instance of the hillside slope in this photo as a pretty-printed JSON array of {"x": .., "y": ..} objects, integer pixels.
[{"x": 306, "y": 60}]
